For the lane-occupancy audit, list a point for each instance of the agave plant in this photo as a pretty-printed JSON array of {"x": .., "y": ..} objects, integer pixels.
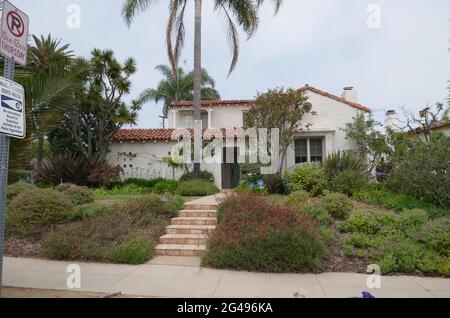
[{"x": 345, "y": 160}]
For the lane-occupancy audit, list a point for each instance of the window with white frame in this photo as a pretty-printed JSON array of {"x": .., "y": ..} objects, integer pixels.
[
  {"x": 309, "y": 150},
  {"x": 188, "y": 121}
]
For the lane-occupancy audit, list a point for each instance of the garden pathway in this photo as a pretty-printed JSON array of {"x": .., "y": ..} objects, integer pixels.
[
  {"x": 188, "y": 233},
  {"x": 152, "y": 280}
]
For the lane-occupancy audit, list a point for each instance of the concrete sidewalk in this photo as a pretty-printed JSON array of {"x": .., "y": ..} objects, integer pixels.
[{"x": 157, "y": 280}]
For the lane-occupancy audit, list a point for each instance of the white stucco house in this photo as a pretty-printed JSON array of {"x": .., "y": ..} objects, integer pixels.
[{"x": 142, "y": 152}]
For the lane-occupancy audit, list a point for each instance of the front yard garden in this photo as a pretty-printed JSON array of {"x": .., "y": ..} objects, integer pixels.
[
  {"x": 119, "y": 225},
  {"x": 332, "y": 217}
]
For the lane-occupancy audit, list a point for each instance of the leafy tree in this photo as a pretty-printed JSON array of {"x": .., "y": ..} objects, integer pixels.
[
  {"x": 369, "y": 142},
  {"x": 243, "y": 13},
  {"x": 174, "y": 88},
  {"x": 98, "y": 110},
  {"x": 423, "y": 171},
  {"x": 283, "y": 109}
]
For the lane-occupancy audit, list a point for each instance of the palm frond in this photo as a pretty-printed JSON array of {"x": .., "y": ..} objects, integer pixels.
[{"x": 133, "y": 7}]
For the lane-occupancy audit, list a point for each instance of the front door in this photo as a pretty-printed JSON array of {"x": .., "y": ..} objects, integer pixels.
[{"x": 231, "y": 173}]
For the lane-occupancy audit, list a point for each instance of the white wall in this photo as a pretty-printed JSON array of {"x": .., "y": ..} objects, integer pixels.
[
  {"x": 146, "y": 161},
  {"x": 221, "y": 116},
  {"x": 331, "y": 117}
]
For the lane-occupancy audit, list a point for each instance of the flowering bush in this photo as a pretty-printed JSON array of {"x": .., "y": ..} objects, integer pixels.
[{"x": 255, "y": 234}]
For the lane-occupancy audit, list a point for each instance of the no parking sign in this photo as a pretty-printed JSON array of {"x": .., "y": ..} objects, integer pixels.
[{"x": 14, "y": 36}]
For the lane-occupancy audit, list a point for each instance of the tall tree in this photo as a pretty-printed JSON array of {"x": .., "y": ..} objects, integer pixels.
[
  {"x": 172, "y": 89},
  {"x": 98, "y": 110},
  {"x": 48, "y": 58},
  {"x": 283, "y": 109},
  {"x": 243, "y": 13}
]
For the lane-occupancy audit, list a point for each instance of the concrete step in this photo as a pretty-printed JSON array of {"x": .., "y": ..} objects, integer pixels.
[
  {"x": 184, "y": 239},
  {"x": 190, "y": 229},
  {"x": 197, "y": 213},
  {"x": 201, "y": 207},
  {"x": 179, "y": 250},
  {"x": 194, "y": 221}
]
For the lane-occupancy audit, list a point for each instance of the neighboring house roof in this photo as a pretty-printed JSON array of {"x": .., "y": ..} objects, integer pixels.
[
  {"x": 336, "y": 98},
  {"x": 126, "y": 135},
  {"x": 213, "y": 103},
  {"x": 436, "y": 126},
  {"x": 219, "y": 103}
]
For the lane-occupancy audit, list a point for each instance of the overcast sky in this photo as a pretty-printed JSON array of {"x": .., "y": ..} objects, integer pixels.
[{"x": 325, "y": 43}]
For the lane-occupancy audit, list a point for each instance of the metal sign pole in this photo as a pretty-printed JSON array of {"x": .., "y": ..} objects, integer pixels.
[{"x": 4, "y": 158}]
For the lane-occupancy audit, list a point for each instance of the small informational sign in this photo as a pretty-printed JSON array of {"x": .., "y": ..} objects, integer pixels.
[
  {"x": 14, "y": 34},
  {"x": 12, "y": 109}
]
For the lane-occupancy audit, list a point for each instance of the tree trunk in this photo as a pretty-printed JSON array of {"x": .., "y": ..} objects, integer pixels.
[
  {"x": 40, "y": 148},
  {"x": 197, "y": 85}
]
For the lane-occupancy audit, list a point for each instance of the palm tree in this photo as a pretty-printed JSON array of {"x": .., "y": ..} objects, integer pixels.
[
  {"x": 173, "y": 89},
  {"x": 243, "y": 13},
  {"x": 47, "y": 58}
]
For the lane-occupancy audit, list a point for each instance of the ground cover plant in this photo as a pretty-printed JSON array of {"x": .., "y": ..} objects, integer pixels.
[
  {"x": 46, "y": 223},
  {"x": 197, "y": 188},
  {"x": 256, "y": 234}
]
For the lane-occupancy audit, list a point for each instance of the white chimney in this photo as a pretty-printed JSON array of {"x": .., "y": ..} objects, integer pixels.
[
  {"x": 391, "y": 120},
  {"x": 350, "y": 94}
]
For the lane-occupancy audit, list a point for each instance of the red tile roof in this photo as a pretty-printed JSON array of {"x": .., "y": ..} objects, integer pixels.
[
  {"x": 142, "y": 135},
  {"x": 337, "y": 98},
  {"x": 436, "y": 126},
  {"x": 126, "y": 135},
  {"x": 237, "y": 102},
  {"x": 214, "y": 103}
]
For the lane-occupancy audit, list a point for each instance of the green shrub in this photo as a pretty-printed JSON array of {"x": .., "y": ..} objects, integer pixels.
[
  {"x": 88, "y": 240},
  {"x": 397, "y": 202},
  {"x": 18, "y": 175},
  {"x": 341, "y": 161},
  {"x": 58, "y": 245},
  {"x": 310, "y": 177},
  {"x": 17, "y": 188},
  {"x": 298, "y": 197},
  {"x": 115, "y": 235},
  {"x": 411, "y": 219},
  {"x": 129, "y": 189},
  {"x": 337, "y": 204},
  {"x": 166, "y": 186},
  {"x": 348, "y": 182},
  {"x": 34, "y": 208},
  {"x": 77, "y": 195},
  {"x": 197, "y": 188},
  {"x": 362, "y": 222},
  {"x": 398, "y": 242},
  {"x": 204, "y": 175},
  {"x": 64, "y": 186},
  {"x": 142, "y": 183},
  {"x": 257, "y": 235},
  {"x": 151, "y": 207},
  {"x": 302, "y": 202},
  {"x": 133, "y": 250},
  {"x": 444, "y": 267},
  {"x": 436, "y": 235},
  {"x": 424, "y": 172},
  {"x": 87, "y": 210}
]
